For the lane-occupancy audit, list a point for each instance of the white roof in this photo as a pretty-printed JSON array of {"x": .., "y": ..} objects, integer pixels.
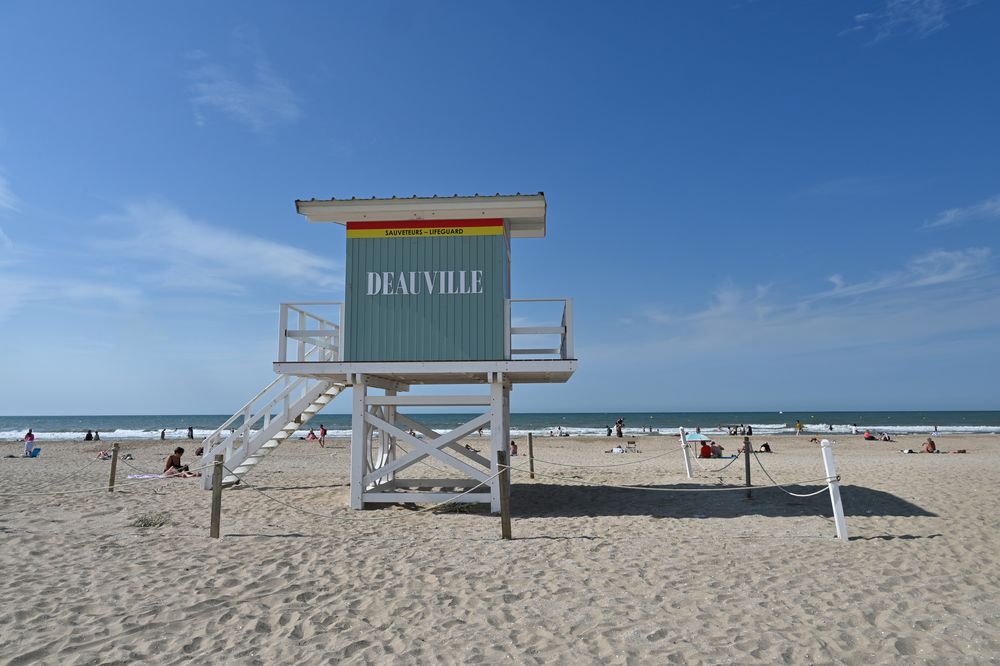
[{"x": 524, "y": 212}]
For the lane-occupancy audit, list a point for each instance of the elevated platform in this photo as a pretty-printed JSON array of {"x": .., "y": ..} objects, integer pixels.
[{"x": 516, "y": 371}]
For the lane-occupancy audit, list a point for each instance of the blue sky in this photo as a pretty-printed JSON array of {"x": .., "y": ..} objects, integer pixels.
[{"x": 755, "y": 205}]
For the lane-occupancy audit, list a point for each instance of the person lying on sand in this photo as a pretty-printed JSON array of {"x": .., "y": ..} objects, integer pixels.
[
  {"x": 174, "y": 467},
  {"x": 617, "y": 449},
  {"x": 765, "y": 448}
]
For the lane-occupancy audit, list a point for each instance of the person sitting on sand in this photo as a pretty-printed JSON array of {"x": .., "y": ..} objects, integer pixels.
[
  {"x": 311, "y": 437},
  {"x": 89, "y": 437},
  {"x": 705, "y": 451},
  {"x": 716, "y": 450},
  {"x": 869, "y": 437},
  {"x": 175, "y": 467},
  {"x": 884, "y": 437},
  {"x": 930, "y": 446},
  {"x": 104, "y": 455},
  {"x": 765, "y": 448},
  {"x": 513, "y": 448}
]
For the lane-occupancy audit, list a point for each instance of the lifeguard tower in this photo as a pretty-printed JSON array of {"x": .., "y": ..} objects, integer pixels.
[{"x": 427, "y": 302}]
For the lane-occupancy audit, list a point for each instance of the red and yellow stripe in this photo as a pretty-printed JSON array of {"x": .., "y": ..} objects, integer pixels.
[{"x": 425, "y": 228}]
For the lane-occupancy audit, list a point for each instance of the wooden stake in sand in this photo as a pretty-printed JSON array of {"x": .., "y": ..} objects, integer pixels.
[
  {"x": 114, "y": 467},
  {"x": 216, "y": 497},
  {"x": 531, "y": 456},
  {"x": 504, "y": 496},
  {"x": 747, "y": 448}
]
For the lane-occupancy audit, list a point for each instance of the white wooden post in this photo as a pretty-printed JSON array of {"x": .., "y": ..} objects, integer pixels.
[
  {"x": 686, "y": 452},
  {"x": 358, "y": 443},
  {"x": 568, "y": 333},
  {"x": 300, "y": 343},
  {"x": 831, "y": 475},
  {"x": 282, "y": 327}
]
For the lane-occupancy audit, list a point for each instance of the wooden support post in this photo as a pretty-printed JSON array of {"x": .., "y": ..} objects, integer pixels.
[
  {"x": 216, "y": 496},
  {"x": 834, "y": 483},
  {"x": 504, "y": 495},
  {"x": 531, "y": 455},
  {"x": 114, "y": 467},
  {"x": 746, "y": 463}
]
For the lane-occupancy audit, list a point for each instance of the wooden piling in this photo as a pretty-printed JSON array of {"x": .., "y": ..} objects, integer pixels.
[
  {"x": 531, "y": 456},
  {"x": 504, "y": 496},
  {"x": 114, "y": 467},
  {"x": 216, "y": 496},
  {"x": 746, "y": 463}
]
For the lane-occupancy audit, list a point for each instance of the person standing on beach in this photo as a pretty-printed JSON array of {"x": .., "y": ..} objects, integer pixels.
[
  {"x": 163, "y": 434},
  {"x": 322, "y": 436},
  {"x": 97, "y": 436},
  {"x": 29, "y": 443},
  {"x": 190, "y": 432},
  {"x": 798, "y": 427}
]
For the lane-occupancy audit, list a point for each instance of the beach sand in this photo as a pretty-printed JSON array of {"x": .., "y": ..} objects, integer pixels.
[{"x": 594, "y": 574}]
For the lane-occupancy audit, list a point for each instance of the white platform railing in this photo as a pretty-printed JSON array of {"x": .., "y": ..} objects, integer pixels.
[
  {"x": 317, "y": 334},
  {"x": 533, "y": 334},
  {"x": 318, "y": 328}
]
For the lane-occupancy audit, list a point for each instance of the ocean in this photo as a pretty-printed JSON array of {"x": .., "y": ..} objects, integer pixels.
[{"x": 12, "y": 428}]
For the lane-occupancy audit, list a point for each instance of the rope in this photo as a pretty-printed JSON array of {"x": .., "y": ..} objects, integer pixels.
[
  {"x": 667, "y": 490},
  {"x": 364, "y": 520},
  {"x": 778, "y": 485},
  {"x": 631, "y": 462},
  {"x": 715, "y": 471},
  {"x": 95, "y": 490}
]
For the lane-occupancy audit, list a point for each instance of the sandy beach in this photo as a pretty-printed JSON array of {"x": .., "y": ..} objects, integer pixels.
[{"x": 595, "y": 574}]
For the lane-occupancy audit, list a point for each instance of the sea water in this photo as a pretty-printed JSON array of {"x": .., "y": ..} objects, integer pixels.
[{"x": 541, "y": 424}]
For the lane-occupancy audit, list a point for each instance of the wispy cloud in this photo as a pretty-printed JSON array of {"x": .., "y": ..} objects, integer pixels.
[
  {"x": 984, "y": 210},
  {"x": 932, "y": 268},
  {"x": 179, "y": 252},
  {"x": 940, "y": 292},
  {"x": 918, "y": 18},
  {"x": 8, "y": 200},
  {"x": 252, "y": 92}
]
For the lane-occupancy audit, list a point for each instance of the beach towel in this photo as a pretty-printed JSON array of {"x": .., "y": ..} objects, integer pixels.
[{"x": 145, "y": 476}]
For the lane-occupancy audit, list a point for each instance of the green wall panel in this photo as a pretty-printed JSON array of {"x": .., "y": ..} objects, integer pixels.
[{"x": 393, "y": 324}]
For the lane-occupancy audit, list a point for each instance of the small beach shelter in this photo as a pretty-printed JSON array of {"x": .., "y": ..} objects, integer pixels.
[{"x": 696, "y": 437}]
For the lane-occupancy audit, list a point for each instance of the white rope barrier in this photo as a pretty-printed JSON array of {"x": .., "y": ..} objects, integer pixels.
[
  {"x": 103, "y": 488},
  {"x": 783, "y": 489}
]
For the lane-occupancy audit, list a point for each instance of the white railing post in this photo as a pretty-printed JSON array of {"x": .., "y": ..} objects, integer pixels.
[
  {"x": 282, "y": 327},
  {"x": 301, "y": 343},
  {"x": 834, "y": 483},
  {"x": 686, "y": 452},
  {"x": 568, "y": 334},
  {"x": 340, "y": 343},
  {"x": 506, "y": 329}
]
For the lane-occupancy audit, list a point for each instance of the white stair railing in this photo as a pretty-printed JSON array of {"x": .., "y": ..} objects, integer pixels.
[{"x": 256, "y": 422}]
